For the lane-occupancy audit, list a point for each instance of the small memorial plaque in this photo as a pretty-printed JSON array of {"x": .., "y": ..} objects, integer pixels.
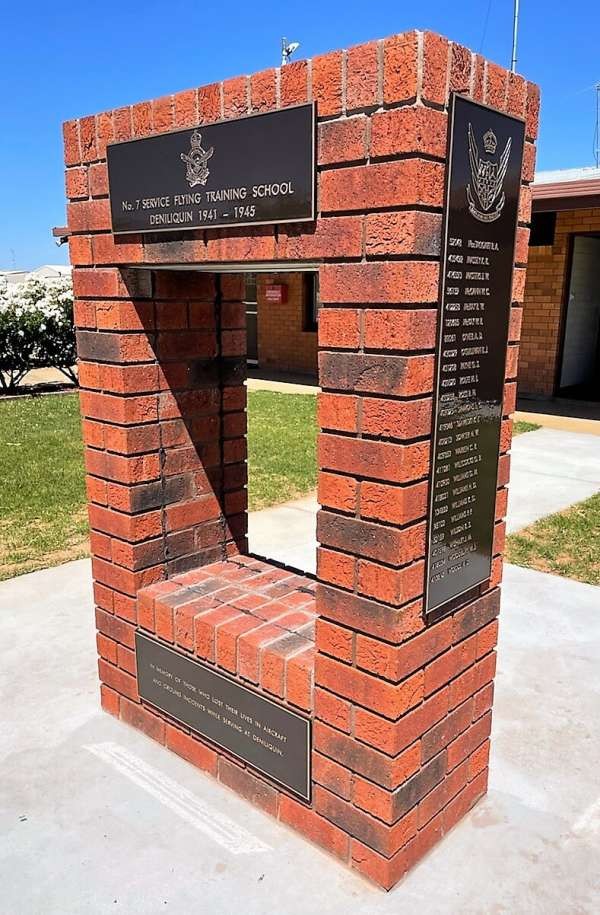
[
  {"x": 249, "y": 171},
  {"x": 265, "y": 734},
  {"x": 482, "y": 198}
]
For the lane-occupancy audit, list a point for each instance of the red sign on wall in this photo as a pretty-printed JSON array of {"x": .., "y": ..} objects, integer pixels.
[{"x": 276, "y": 294}]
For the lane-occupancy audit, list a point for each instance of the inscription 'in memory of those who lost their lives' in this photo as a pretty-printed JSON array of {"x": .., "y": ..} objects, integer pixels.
[
  {"x": 486, "y": 149},
  {"x": 263, "y": 733}
]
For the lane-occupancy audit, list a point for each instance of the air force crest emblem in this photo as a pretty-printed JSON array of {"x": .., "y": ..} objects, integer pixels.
[
  {"x": 484, "y": 192},
  {"x": 196, "y": 169}
]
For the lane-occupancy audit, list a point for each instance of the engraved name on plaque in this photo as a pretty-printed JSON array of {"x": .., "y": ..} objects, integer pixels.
[{"x": 482, "y": 198}]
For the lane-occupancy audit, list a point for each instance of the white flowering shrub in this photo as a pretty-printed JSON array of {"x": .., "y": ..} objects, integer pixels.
[{"x": 36, "y": 329}]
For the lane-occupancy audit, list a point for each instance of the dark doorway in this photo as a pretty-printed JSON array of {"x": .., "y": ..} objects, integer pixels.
[{"x": 580, "y": 365}]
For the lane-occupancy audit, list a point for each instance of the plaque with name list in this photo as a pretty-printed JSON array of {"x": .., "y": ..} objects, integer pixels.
[
  {"x": 485, "y": 152},
  {"x": 248, "y": 171},
  {"x": 265, "y": 734}
]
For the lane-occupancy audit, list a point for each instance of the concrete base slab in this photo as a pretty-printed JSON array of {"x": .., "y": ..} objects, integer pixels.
[
  {"x": 81, "y": 793},
  {"x": 286, "y": 533},
  {"x": 550, "y": 470}
]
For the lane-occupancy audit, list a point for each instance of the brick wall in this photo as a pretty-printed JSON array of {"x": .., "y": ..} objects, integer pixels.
[
  {"x": 284, "y": 343},
  {"x": 401, "y": 708},
  {"x": 546, "y": 292}
]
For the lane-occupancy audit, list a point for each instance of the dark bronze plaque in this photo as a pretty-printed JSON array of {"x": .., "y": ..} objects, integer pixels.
[
  {"x": 482, "y": 197},
  {"x": 263, "y": 733},
  {"x": 254, "y": 170}
]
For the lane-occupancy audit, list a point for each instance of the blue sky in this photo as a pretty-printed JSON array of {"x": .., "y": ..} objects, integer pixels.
[{"x": 65, "y": 60}]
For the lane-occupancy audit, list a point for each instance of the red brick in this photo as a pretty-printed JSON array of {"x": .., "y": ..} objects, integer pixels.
[
  {"x": 262, "y": 90},
  {"x": 315, "y": 827},
  {"x": 393, "y": 737},
  {"x": 87, "y": 138},
  {"x": 400, "y": 67},
  {"x": 393, "y": 586},
  {"x": 235, "y": 97},
  {"x": 143, "y": 720},
  {"x": 335, "y": 491},
  {"x": 389, "y": 700},
  {"x": 293, "y": 83},
  {"x": 334, "y": 640},
  {"x": 379, "y": 460},
  {"x": 336, "y": 568},
  {"x": 409, "y": 130},
  {"x": 382, "y": 502},
  {"x": 398, "y": 330},
  {"x": 407, "y": 232},
  {"x": 71, "y": 143},
  {"x": 109, "y": 699},
  {"x": 339, "y": 328},
  {"x": 403, "y": 182},
  {"x": 395, "y": 419},
  {"x": 209, "y": 103},
  {"x": 435, "y": 68},
  {"x": 330, "y": 775},
  {"x": 338, "y": 411},
  {"x": 191, "y": 749},
  {"x": 467, "y": 742},
  {"x": 299, "y": 679},
  {"x": 327, "y": 83},
  {"x": 460, "y": 69},
  {"x": 362, "y": 76},
  {"x": 342, "y": 140},
  {"x": 248, "y": 786},
  {"x": 142, "y": 118},
  {"x": 76, "y": 182},
  {"x": 449, "y": 665},
  {"x": 163, "y": 113},
  {"x": 396, "y": 662},
  {"x": 333, "y": 710},
  {"x": 186, "y": 108}
]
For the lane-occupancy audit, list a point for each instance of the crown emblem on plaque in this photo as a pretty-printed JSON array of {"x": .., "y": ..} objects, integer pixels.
[
  {"x": 490, "y": 142},
  {"x": 196, "y": 168},
  {"x": 485, "y": 196}
]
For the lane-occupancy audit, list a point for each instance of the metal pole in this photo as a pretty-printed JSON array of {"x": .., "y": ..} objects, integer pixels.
[
  {"x": 513, "y": 63},
  {"x": 597, "y": 150}
]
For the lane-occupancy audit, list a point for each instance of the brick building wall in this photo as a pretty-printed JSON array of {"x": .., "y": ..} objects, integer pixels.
[
  {"x": 284, "y": 342},
  {"x": 401, "y": 707},
  {"x": 546, "y": 292}
]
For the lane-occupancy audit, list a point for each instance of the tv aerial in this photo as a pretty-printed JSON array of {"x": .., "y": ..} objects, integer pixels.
[{"x": 287, "y": 49}]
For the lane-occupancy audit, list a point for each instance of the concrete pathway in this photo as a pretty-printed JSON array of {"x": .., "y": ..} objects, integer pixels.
[
  {"x": 96, "y": 818},
  {"x": 550, "y": 470},
  {"x": 286, "y": 533}
]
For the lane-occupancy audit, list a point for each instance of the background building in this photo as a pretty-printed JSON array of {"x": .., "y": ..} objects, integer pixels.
[{"x": 560, "y": 340}]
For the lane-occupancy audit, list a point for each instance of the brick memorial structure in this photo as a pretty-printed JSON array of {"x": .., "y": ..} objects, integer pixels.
[{"x": 387, "y": 694}]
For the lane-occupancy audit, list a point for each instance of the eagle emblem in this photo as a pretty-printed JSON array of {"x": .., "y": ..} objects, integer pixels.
[
  {"x": 484, "y": 192},
  {"x": 196, "y": 169}
]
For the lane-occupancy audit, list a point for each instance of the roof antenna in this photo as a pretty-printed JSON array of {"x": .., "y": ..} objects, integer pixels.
[
  {"x": 513, "y": 62},
  {"x": 287, "y": 50},
  {"x": 597, "y": 130}
]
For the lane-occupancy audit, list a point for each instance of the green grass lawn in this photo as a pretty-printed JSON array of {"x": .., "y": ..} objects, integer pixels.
[
  {"x": 567, "y": 543},
  {"x": 282, "y": 460},
  {"x": 43, "y": 520},
  {"x": 519, "y": 427}
]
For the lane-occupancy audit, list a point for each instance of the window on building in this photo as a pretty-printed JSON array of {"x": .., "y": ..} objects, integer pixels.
[
  {"x": 250, "y": 288},
  {"x": 543, "y": 226},
  {"x": 311, "y": 302}
]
